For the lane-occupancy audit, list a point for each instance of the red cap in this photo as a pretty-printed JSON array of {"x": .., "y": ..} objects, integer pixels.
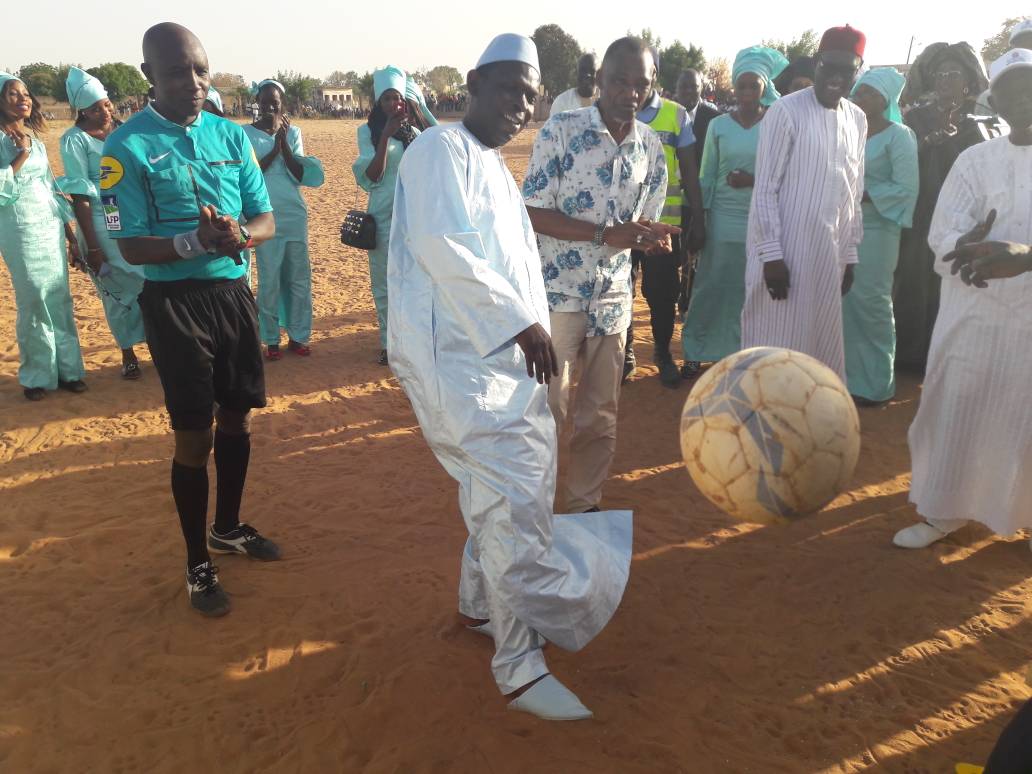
[{"x": 843, "y": 39}]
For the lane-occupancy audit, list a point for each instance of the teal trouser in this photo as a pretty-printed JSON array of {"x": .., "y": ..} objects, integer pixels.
[
  {"x": 48, "y": 342},
  {"x": 868, "y": 326},
  {"x": 284, "y": 290},
  {"x": 378, "y": 279},
  {"x": 713, "y": 323},
  {"x": 118, "y": 291}
]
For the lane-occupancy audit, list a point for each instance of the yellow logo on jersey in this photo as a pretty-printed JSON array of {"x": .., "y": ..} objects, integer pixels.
[{"x": 110, "y": 172}]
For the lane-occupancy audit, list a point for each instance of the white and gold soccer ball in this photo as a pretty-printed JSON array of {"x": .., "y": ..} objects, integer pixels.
[{"x": 770, "y": 435}]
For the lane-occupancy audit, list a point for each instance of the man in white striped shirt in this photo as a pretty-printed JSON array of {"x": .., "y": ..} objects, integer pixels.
[{"x": 806, "y": 222}]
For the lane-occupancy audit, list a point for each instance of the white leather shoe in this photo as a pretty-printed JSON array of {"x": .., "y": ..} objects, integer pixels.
[
  {"x": 919, "y": 535},
  {"x": 551, "y": 700}
]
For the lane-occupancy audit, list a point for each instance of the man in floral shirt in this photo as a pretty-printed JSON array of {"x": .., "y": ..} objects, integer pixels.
[{"x": 594, "y": 190}]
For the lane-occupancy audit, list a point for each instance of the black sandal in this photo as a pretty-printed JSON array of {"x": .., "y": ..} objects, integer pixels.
[
  {"x": 131, "y": 371},
  {"x": 35, "y": 393},
  {"x": 77, "y": 386}
]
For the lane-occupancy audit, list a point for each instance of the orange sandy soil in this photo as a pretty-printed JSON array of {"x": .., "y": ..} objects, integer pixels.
[{"x": 816, "y": 647}]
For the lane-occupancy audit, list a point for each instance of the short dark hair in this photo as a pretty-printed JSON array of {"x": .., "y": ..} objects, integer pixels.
[{"x": 630, "y": 45}]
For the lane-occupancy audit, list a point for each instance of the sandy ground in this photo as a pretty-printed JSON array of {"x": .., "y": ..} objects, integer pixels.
[{"x": 814, "y": 647}]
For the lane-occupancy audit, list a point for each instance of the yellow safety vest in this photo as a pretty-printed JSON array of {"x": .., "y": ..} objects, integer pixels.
[{"x": 667, "y": 124}]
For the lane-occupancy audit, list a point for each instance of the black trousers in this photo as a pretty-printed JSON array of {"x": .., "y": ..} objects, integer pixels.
[
  {"x": 1013, "y": 751},
  {"x": 661, "y": 285}
]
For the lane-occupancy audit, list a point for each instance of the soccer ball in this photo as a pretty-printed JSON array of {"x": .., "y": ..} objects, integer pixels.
[{"x": 770, "y": 435}]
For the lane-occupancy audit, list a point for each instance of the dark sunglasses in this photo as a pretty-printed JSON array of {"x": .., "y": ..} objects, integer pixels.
[{"x": 832, "y": 68}]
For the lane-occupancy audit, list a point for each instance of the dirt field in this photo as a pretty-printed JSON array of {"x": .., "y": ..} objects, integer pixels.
[{"x": 812, "y": 648}]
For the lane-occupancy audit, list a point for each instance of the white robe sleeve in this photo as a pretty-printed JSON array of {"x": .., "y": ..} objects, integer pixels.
[
  {"x": 772, "y": 156},
  {"x": 856, "y": 225},
  {"x": 446, "y": 243},
  {"x": 956, "y": 213}
]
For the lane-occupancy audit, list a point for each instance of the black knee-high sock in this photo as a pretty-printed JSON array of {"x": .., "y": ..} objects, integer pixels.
[
  {"x": 190, "y": 491},
  {"x": 232, "y": 455}
]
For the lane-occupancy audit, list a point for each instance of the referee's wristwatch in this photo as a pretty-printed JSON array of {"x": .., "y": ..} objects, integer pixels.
[{"x": 246, "y": 236}]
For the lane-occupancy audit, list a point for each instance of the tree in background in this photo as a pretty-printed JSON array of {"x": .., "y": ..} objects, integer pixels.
[
  {"x": 675, "y": 59},
  {"x": 445, "y": 79},
  {"x": 227, "y": 82},
  {"x": 558, "y": 52},
  {"x": 341, "y": 80},
  {"x": 299, "y": 88},
  {"x": 41, "y": 78},
  {"x": 120, "y": 79},
  {"x": 365, "y": 91},
  {"x": 718, "y": 75},
  {"x": 997, "y": 45},
  {"x": 650, "y": 38},
  {"x": 805, "y": 45}
]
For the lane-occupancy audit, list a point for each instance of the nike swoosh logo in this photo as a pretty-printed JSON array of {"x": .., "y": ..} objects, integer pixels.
[{"x": 156, "y": 159}]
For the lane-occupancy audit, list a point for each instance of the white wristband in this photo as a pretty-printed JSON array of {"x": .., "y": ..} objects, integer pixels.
[{"x": 188, "y": 245}]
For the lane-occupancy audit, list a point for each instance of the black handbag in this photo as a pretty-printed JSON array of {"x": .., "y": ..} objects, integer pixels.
[
  {"x": 358, "y": 230},
  {"x": 359, "y": 227}
]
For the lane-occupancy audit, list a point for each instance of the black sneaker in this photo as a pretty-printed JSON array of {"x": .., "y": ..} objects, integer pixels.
[
  {"x": 35, "y": 393},
  {"x": 691, "y": 369},
  {"x": 206, "y": 595},
  {"x": 629, "y": 365},
  {"x": 76, "y": 385},
  {"x": 669, "y": 375},
  {"x": 243, "y": 540}
]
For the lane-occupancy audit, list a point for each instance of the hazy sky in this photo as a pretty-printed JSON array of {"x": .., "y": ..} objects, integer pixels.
[{"x": 257, "y": 38}]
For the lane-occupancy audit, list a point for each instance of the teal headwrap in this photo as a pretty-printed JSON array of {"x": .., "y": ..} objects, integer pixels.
[
  {"x": 765, "y": 62},
  {"x": 5, "y": 77},
  {"x": 888, "y": 82},
  {"x": 256, "y": 87},
  {"x": 216, "y": 99},
  {"x": 390, "y": 77},
  {"x": 414, "y": 93},
  {"x": 83, "y": 89}
]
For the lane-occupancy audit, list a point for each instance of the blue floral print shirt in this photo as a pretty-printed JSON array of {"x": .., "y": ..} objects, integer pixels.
[{"x": 577, "y": 168}]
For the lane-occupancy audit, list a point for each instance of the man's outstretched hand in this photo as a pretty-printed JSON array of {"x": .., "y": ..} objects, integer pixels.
[
  {"x": 537, "y": 348},
  {"x": 979, "y": 262}
]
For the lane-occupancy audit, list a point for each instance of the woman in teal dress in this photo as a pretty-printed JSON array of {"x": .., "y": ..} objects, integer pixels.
[
  {"x": 712, "y": 325},
  {"x": 284, "y": 267},
  {"x": 891, "y": 183},
  {"x": 381, "y": 143},
  {"x": 36, "y": 241},
  {"x": 118, "y": 283}
]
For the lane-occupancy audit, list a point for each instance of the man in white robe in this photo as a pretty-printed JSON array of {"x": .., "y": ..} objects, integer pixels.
[
  {"x": 584, "y": 93},
  {"x": 467, "y": 334},
  {"x": 806, "y": 221},
  {"x": 971, "y": 441}
]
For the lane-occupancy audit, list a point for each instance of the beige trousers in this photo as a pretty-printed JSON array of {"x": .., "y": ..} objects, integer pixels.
[{"x": 599, "y": 362}]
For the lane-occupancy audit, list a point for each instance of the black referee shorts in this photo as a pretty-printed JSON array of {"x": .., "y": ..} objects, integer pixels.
[{"x": 203, "y": 337}]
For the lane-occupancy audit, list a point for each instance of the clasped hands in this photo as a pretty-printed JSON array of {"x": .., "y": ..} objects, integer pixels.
[
  {"x": 219, "y": 233},
  {"x": 651, "y": 237}
]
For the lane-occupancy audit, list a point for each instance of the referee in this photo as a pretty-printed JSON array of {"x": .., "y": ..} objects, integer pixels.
[{"x": 175, "y": 184}]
